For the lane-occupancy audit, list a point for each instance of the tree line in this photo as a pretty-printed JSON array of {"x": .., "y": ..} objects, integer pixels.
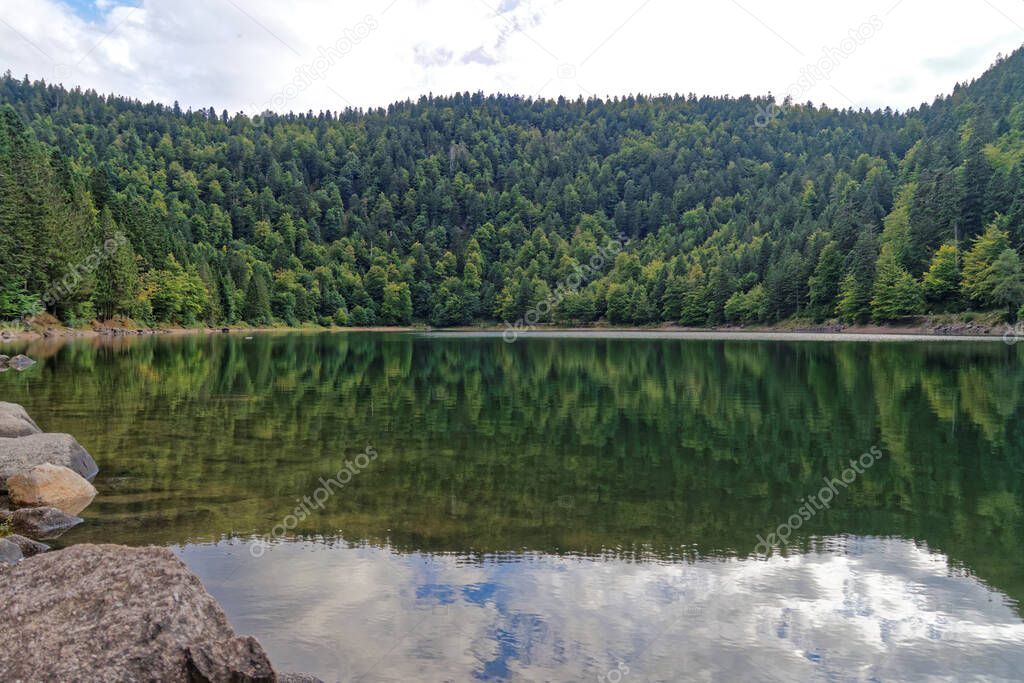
[{"x": 452, "y": 210}]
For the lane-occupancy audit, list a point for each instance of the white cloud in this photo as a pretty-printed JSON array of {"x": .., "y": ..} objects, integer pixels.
[{"x": 240, "y": 54}]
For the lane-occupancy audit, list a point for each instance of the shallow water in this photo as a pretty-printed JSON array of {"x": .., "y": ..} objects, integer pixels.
[{"x": 569, "y": 507}]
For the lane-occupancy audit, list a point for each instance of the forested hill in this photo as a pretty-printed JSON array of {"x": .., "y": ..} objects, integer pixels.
[{"x": 456, "y": 209}]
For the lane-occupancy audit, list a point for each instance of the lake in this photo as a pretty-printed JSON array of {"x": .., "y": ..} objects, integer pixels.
[{"x": 393, "y": 507}]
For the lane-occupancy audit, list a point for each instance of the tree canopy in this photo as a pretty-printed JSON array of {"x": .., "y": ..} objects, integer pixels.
[{"x": 470, "y": 208}]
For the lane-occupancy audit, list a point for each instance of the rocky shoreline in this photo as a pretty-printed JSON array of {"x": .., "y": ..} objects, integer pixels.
[{"x": 98, "y": 612}]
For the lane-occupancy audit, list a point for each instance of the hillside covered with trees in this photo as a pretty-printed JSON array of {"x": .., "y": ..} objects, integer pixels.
[{"x": 451, "y": 210}]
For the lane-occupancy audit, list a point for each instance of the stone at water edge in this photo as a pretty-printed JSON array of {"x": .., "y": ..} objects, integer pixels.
[
  {"x": 10, "y": 553},
  {"x": 53, "y": 486},
  {"x": 12, "y": 427},
  {"x": 27, "y": 545},
  {"x": 18, "y": 411},
  {"x": 15, "y": 422},
  {"x": 24, "y": 453},
  {"x": 114, "y": 613},
  {"x": 4, "y": 360},
  {"x": 21, "y": 362},
  {"x": 40, "y": 524},
  {"x": 298, "y": 678}
]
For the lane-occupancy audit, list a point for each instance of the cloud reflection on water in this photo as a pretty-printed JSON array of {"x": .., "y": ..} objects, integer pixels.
[{"x": 857, "y": 609}]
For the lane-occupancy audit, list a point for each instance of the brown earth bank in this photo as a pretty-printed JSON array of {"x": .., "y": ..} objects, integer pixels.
[{"x": 968, "y": 325}]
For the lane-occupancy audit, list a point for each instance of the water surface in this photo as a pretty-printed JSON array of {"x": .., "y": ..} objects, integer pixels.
[{"x": 568, "y": 508}]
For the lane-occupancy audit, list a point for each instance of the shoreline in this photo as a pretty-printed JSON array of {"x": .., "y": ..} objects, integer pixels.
[{"x": 944, "y": 331}]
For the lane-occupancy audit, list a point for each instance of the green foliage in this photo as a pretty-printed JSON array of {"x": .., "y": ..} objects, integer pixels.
[
  {"x": 824, "y": 284},
  {"x": 117, "y": 275},
  {"x": 15, "y": 303},
  {"x": 942, "y": 279},
  {"x": 896, "y": 293},
  {"x": 176, "y": 296},
  {"x": 256, "y": 307},
  {"x": 396, "y": 308},
  {"x": 367, "y": 217},
  {"x": 747, "y": 307},
  {"x": 576, "y": 307},
  {"x": 450, "y": 304},
  {"x": 855, "y": 290},
  {"x": 991, "y": 274},
  {"x": 1007, "y": 281},
  {"x": 854, "y": 300}
]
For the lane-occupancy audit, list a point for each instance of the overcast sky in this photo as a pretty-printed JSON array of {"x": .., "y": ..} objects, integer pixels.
[{"x": 252, "y": 55}]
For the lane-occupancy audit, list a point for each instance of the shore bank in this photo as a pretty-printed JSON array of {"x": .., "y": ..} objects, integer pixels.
[{"x": 919, "y": 328}]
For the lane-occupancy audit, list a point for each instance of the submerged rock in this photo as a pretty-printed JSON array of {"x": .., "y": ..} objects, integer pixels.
[
  {"x": 49, "y": 485},
  {"x": 27, "y": 545},
  {"x": 14, "y": 421},
  {"x": 10, "y": 553},
  {"x": 21, "y": 362},
  {"x": 24, "y": 453},
  {"x": 40, "y": 523},
  {"x": 112, "y": 613}
]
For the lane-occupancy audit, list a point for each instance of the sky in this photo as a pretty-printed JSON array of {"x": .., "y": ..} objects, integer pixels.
[{"x": 258, "y": 55}]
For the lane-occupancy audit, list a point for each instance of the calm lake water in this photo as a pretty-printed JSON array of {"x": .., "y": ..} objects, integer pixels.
[{"x": 569, "y": 508}]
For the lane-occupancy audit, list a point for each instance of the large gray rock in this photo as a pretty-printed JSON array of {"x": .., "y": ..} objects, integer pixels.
[
  {"x": 19, "y": 455},
  {"x": 14, "y": 421},
  {"x": 39, "y": 523},
  {"x": 10, "y": 553},
  {"x": 112, "y": 613}
]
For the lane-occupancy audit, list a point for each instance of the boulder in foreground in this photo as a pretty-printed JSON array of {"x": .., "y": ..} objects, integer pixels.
[
  {"x": 40, "y": 523},
  {"x": 18, "y": 455},
  {"x": 15, "y": 422},
  {"x": 49, "y": 485},
  {"x": 112, "y": 613}
]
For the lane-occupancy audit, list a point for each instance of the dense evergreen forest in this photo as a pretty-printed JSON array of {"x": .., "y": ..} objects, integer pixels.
[{"x": 451, "y": 210}]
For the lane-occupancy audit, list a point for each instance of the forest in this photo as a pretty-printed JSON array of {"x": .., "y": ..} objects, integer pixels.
[{"x": 468, "y": 208}]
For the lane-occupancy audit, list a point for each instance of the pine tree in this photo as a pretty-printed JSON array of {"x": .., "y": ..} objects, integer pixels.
[
  {"x": 896, "y": 293},
  {"x": 256, "y": 309},
  {"x": 823, "y": 285},
  {"x": 1007, "y": 282},
  {"x": 853, "y": 304},
  {"x": 854, "y": 301},
  {"x": 396, "y": 309},
  {"x": 942, "y": 279},
  {"x": 117, "y": 276},
  {"x": 977, "y": 272}
]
